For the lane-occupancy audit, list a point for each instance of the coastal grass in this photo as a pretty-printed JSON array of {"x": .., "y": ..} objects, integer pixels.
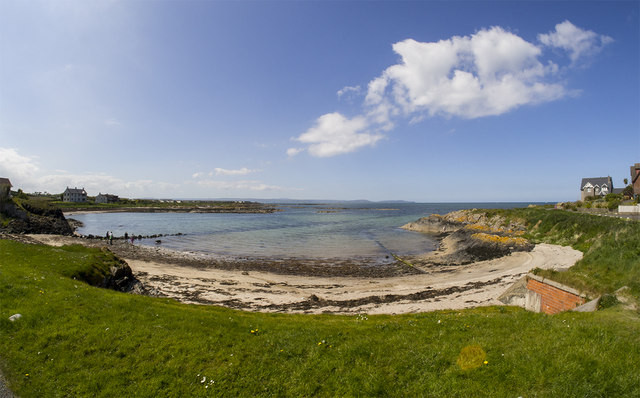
[
  {"x": 78, "y": 340},
  {"x": 611, "y": 247}
]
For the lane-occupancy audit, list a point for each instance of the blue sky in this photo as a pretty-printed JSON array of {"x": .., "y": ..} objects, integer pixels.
[{"x": 423, "y": 101}]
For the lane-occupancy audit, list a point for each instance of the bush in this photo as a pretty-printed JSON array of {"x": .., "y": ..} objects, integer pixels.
[
  {"x": 613, "y": 196},
  {"x": 607, "y": 300},
  {"x": 613, "y": 204}
]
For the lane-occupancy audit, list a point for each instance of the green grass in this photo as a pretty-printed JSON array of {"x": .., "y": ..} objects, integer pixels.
[
  {"x": 611, "y": 247},
  {"x": 78, "y": 340}
]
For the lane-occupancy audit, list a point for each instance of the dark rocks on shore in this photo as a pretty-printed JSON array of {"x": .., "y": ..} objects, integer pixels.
[
  {"x": 121, "y": 278},
  {"x": 33, "y": 220}
]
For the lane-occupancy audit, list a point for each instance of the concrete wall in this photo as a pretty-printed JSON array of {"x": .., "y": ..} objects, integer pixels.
[
  {"x": 550, "y": 297},
  {"x": 629, "y": 209}
]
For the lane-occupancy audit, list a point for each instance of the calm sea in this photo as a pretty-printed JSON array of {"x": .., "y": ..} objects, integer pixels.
[{"x": 320, "y": 231}]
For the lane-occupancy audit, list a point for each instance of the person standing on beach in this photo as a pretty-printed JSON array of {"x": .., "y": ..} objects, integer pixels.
[{"x": 110, "y": 238}]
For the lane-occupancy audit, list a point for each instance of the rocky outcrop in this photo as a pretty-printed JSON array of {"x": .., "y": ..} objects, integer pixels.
[
  {"x": 467, "y": 236},
  {"x": 28, "y": 219},
  {"x": 121, "y": 278}
]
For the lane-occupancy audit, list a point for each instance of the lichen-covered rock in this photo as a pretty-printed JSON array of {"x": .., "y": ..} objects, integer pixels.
[{"x": 467, "y": 236}]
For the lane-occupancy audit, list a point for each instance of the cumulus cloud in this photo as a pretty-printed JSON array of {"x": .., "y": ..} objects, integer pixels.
[
  {"x": 488, "y": 73},
  {"x": 334, "y": 134},
  {"x": 578, "y": 42},
  {"x": 16, "y": 166}
]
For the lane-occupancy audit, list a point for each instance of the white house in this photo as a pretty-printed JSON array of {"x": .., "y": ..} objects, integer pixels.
[
  {"x": 107, "y": 198},
  {"x": 74, "y": 195}
]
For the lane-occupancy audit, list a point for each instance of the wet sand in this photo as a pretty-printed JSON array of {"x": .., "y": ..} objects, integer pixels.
[{"x": 323, "y": 287}]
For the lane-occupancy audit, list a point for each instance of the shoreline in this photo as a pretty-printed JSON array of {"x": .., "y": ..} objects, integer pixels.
[{"x": 347, "y": 288}]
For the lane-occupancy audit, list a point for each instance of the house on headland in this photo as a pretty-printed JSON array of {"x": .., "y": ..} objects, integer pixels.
[
  {"x": 5, "y": 189},
  {"x": 107, "y": 198},
  {"x": 596, "y": 187},
  {"x": 74, "y": 195},
  {"x": 635, "y": 179}
]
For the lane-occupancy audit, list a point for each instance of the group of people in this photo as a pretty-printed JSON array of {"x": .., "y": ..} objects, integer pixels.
[{"x": 109, "y": 237}]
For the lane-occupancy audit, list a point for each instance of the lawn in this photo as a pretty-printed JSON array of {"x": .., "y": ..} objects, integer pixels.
[{"x": 78, "y": 340}]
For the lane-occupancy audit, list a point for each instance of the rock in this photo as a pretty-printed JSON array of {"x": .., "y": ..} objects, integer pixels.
[
  {"x": 15, "y": 317},
  {"x": 33, "y": 220}
]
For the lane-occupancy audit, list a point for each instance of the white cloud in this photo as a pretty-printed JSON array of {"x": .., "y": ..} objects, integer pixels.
[
  {"x": 294, "y": 151},
  {"x": 334, "y": 134},
  {"x": 348, "y": 91},
  {"x": 488, "y": 73},
  {"x": 26, "y": 175},
  {"x": 226, "y": 172},
  {"x": 15, "y": 166},
  {"x": 578, "y": 42}
]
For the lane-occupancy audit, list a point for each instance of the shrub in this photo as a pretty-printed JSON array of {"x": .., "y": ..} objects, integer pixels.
[
  {"x": 607, "y": 300},
  {"x": 613, "y": 196},
  {"x": 613, "y": 204}
]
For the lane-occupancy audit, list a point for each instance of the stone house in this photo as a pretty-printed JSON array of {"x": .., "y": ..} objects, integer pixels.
[
  {"x": 635, "y": 179},
  {"x": 5, "y": 189},
  {"x": 74, "y": 195},
  {"x": 107, "y": 198},
  {"x": 596, "y": 187}
]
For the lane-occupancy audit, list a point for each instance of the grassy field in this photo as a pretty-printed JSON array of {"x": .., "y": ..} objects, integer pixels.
[{"x": 77, "y": 340}]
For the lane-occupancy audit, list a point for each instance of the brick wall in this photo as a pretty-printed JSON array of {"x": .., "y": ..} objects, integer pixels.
[{"x": 554, "y": 297}]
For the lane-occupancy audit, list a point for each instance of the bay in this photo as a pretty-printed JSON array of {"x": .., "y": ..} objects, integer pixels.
[{"x": 336, "y": 230}]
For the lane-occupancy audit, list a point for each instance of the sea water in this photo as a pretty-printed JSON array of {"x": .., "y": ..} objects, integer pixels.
[{"x": 342, "y": 230}]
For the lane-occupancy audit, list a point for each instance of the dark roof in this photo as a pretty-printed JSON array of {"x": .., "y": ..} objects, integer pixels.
[
  {"x": 75, "y": 190},
  {"x": 618, "y": 190},
  {"x": 5, "y": 181},
  {"x": 599, "y": 181}
]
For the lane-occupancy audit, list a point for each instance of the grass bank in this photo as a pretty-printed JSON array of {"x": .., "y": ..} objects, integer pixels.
[
  {"x": 611, "y": 247},
  {"x": 77, "y": 340}
]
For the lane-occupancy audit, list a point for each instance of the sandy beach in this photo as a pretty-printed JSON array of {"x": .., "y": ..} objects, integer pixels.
[{"x": 192, "y": 279}]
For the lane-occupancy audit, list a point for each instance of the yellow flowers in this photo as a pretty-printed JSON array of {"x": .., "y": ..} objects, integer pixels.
[
  {"x": 505, "y": 240},
  {"x": 254, "y": 331}
]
